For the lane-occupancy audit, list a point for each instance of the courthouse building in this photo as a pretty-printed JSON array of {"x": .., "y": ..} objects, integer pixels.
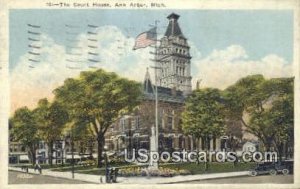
[
  {"x": 174, "y": 85},
  {"x": 133, "y": 131}
]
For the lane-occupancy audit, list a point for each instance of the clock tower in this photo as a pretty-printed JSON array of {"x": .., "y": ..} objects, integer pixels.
[{"x": 174, "y": 59}]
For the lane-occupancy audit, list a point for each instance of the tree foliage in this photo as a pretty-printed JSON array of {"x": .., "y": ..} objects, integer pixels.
[
  {"x": 51, "y": 119},
  {"x": 97, "y": 99},
  {"x": 265, "y": 107},
  {"x": 24, "y": 129},
  {"x": 203, "y": 115}
]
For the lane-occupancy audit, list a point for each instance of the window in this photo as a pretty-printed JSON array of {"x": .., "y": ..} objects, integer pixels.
[
  {"x": 58, "y": 145},
  {"x": 170, "y": 123},
  {"x": 41, "y": 146},
  {"x": 123, "y": 124},
  {"x": 133, "y": 123}
]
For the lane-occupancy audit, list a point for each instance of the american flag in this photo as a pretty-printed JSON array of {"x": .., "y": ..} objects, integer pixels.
[{"x": 145, "y": 39}]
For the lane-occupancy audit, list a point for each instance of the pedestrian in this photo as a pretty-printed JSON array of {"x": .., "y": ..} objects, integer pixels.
[
  {"x": 40, "y": 168},
  {"x": 35, "y": 167}
]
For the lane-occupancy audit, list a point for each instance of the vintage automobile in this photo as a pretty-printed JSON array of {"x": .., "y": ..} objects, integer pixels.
[{"x": 272, "y": 168}]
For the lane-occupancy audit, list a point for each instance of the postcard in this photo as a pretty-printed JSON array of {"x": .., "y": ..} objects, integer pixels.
[{"x": 149, "y": 94}]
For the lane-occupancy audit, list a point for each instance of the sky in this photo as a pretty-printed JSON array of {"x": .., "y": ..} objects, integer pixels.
[{"x": 225, "y": 45}]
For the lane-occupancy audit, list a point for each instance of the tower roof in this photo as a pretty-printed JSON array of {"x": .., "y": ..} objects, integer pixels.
[
  {"x": 174, "y": 16},
  {"x": 164, "y": 93},
  {"x": 173, "y": 28},
  {"x": 148, "y": 88}
]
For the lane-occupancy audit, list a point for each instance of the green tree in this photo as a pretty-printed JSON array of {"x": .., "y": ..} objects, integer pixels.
[
  {"x": 24, "y": 130},
  {"x": 203, "y": 116},
  {"x": 265, "y": 107},
  {"x": 51, "y": 119},
  {"x": 83, "y": 136},
  {"x": 234, "y": 132},
  {"x": 98, "y": 98},
  {"x": 276, "y": 120}
]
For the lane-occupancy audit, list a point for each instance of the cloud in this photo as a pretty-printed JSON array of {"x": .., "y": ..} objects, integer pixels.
[
  {"x": 222, "y": 68},
  {"x": 28, "y": 85},
  {"x": 218, "y": 69}
]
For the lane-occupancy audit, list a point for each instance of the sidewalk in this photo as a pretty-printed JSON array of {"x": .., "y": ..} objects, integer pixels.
[
  {"x": 68, "y": 175},
  {"x": 135, "y": 180}
]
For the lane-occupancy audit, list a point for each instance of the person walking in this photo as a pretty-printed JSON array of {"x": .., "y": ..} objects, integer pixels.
[{"x": 39, "y": 168}]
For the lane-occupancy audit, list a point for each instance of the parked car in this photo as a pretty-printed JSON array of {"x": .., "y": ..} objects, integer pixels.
[{"x": 284, "y": 167}]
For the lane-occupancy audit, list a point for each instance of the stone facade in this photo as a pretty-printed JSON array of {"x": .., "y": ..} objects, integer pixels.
[
  {"x": 174, "y": 84},
  {"x": 174, "y": 59}
]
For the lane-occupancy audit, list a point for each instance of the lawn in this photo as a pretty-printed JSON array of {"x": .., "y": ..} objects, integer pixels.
[
  {"x": 214, "y": 167},
  {"x": 92, "y": 168}
]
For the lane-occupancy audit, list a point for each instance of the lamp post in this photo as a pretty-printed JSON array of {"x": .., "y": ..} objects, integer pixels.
[
  {"x": 72, "y": 150},
  {"x": 106, "y": 165}
]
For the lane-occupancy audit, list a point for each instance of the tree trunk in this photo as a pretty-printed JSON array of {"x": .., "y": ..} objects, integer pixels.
[
  {"x": 207, "y": 142},
  {"x": 32, "y": 155},
  {"x": 91, "y": 147},
  {"x": 279, "y": 147},
  {"x": 197, "y": 148},
  {"x": 101, "y": 143},
  {"x": 50, "y": 152}
]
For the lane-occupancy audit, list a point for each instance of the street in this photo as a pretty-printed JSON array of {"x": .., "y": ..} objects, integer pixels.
[
  {"x": 24, "y": 178},
  {"x": 262, "y": 179}
]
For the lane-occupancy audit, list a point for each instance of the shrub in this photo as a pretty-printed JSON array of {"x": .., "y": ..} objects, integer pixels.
[{"x": 162, "y": 172}]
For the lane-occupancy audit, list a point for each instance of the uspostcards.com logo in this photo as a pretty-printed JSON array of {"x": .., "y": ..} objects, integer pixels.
[{"x": 146, "y": 156}]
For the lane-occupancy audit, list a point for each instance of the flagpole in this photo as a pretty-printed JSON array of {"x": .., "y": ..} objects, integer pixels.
[
  {"x": 156, "y": 92},
  {"x": 155, "y": 67},
  {"x": 154, "y": 139},
  {"x": 156, "y": 95}
]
